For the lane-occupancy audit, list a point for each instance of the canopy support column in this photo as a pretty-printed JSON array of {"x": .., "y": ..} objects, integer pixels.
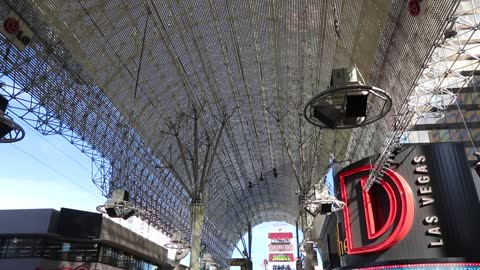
[{"x": 198, "y": 215}]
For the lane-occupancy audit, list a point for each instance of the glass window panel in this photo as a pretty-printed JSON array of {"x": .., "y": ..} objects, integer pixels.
[
  {"x": 454, "y": 135},
  {"x": 25, "y": 247},
  {"x": 478, "y": 115},
  {"x": 475, "y": 132},
  {"x": 423, "y": 136},
  {"x": 470, "y": 116},
  {"x": 83, "y": 252},
  {"x": 453, "y": 117},
  {"x": 4, "y": 245},
  {"x": 72, "y": 251},
  {"x": 434, "y": 136},
  {"x": 107, "y": 255},
  {"x": 464, "y": 136},
  {"x": 472, "y": 98},
  {"x": 442, "y": 120},
  {"x": 476, "y": 97},
  {"x": 444, "y": 135},
  {"x": 52, "y": 249},
  {"x": 469, "y": 151},
  {"x": 413, "y": 137}
]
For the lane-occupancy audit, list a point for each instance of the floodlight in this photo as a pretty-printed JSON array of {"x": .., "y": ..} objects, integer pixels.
[
  {"x": 118, "y": 206},
  {"x": 10, "y": 131},
  {"x": 348, "y": 103},
  {"x": 323, "y": 205},
  {"x": 178, "y": 242}
]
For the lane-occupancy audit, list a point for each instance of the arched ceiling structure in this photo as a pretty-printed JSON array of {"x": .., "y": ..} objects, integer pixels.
[{"x": 124, "y": 81}]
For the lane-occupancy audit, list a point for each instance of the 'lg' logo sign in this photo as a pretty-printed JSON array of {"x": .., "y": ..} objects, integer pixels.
[
  {"x": 388, "y": 210},
  {"x": 11, "y": 25}
]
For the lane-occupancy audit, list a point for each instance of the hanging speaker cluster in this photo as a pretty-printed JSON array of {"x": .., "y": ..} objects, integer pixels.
[
  {"x": 323, "y": 205},
  {"x": 348, "y": 102},
  {"x": 10, "y": 131},
  {"x": 178, "y": 242},
  {"x": 118, "y": 206}
]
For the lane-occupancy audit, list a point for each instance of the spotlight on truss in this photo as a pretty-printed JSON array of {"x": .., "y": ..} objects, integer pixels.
[
  {"x": 10, "y": 131},
  {"x": 323, "y": 205},
  {"x": 208, "y": 259},
  {"x": 178, "y": 242},
  {"x": 348, "y": 103},
  {"x": 118, "y": 206},
  {"x": 305, "y": 245},
  {"x": 477, "y": 165}
]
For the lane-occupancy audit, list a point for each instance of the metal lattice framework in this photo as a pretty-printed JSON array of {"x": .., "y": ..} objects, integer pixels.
[
  {"x": 258, "y": 61},
  {"x": 452, "y": 65}
]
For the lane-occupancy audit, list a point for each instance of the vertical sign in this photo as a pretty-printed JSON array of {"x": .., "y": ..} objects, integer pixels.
[{"x": 16, "y": 31}]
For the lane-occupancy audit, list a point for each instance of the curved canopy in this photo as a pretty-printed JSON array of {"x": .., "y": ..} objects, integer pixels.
[{"x": 153, "y": 85}]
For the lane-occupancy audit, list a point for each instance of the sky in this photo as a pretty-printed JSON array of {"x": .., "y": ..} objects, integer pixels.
[
  {"x": 260, "y": 241},
  {"x": 48, "y": 172}
]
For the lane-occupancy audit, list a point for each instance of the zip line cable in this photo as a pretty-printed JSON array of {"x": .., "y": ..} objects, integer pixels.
[
  {"x": 60, "y": 150},
  {"x": 58, "y": 172}
]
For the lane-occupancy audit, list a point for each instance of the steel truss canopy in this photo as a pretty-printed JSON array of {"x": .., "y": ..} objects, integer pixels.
[{"x": 131, "y": 83}]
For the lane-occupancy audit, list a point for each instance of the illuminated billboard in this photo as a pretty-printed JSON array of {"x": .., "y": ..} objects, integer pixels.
[
  {"x": 280, "y": 248},
  {"x": 421, "y": 209},
  {"x": 281, "y": 257}
]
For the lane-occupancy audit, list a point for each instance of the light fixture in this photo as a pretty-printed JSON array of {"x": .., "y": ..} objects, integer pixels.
[
  {"x": 451, "y": 32},
  {"x": 208, "y": 259},
  {"x": 178, "y": 241},
  {"x": 323, "y": 204},
  {"x": 10, "y": 131},
  {"x": 348, "y": 102},
  {"x": 477, "y": 165},
  {"x": 118, "y": 206}
]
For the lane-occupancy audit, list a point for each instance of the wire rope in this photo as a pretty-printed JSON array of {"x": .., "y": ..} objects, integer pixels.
[{"x": 57, "y": 172}]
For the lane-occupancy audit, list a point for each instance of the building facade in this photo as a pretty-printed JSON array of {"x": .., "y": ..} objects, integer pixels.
[{"x": 46, "y": 239}]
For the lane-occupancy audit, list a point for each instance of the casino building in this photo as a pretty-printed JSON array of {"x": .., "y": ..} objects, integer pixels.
[
  {"x": 46, "y": 239},
  {"x": 416, "y": 217}
]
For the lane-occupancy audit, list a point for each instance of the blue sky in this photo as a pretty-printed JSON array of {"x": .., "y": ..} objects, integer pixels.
[
  {"x": 260, "y": 241},
  {"x": 48, "y": 172},
  {"x": 45, "y": 172}
]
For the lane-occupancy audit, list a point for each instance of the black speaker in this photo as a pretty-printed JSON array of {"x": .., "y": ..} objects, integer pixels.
[
  {"x": 111, "y": 212},
  {"x": 325, "y": 208},
  {"x": 120, "y": 195},
  {"x": 327, "y": 114},
  {"x": 356, "y": 105},
  {"x": 3, "y": 103},
  {"x": 477, "y": 168},
  {"x": 127, "y": 214},
  {"x": 4, "y": 128}
]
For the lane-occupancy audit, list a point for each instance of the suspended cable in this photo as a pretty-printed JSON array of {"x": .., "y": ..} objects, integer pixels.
[
  {"x": 466, "y": 127},
  {"x": 60, "y": 150},
  {"x": 56, "y": 171},
  {"x": 141, "y": 55},
  {"x": 336, "y": 21}
]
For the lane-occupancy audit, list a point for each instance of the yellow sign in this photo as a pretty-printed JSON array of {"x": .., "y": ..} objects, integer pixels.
[{"x": 238, "y": 262}]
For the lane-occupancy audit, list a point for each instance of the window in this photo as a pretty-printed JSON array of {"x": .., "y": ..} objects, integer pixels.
[
  {"x": 121, "y": 259},
  {"x": 54, "y": 249}
]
